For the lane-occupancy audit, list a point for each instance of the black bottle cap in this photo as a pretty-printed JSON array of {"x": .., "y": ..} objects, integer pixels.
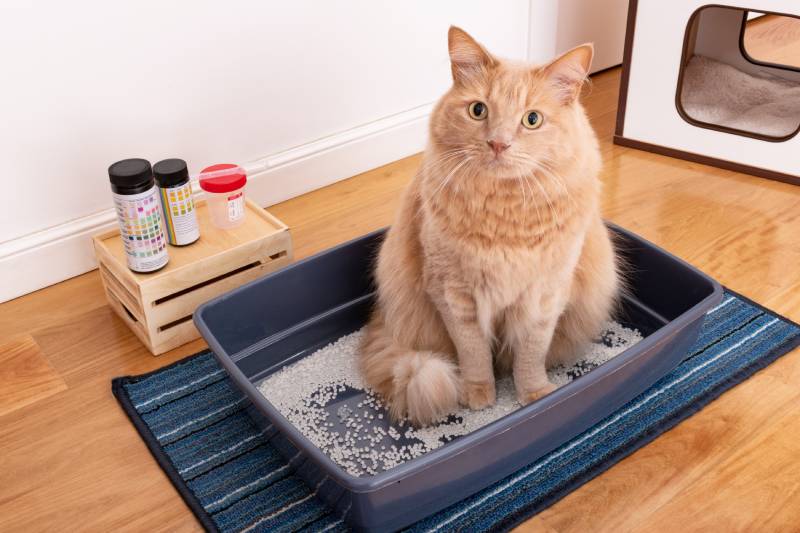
[
  {"x": 171, "y": 172},
  {"x": 130, "y": 176}
]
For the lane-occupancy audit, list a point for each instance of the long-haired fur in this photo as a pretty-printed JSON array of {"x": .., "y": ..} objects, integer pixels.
[{"x": 498, "y": 258}]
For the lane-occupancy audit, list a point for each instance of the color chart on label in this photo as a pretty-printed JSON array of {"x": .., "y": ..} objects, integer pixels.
[
  {"x": 141, "y": 229},
  {"x": 180, "y": 219}
]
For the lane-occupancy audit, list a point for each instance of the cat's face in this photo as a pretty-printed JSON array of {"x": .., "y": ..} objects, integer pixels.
[{"x": 501, "y": 119}]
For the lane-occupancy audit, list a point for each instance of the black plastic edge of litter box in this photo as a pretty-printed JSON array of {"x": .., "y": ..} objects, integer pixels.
[
  {"x": 380, "y": 480},
  {"x": 521, "y": 515},
  {"x": 118, "y": 389}
]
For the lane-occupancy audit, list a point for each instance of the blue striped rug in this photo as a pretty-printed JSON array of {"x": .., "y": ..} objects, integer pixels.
[{"x": 194, "y": 422}]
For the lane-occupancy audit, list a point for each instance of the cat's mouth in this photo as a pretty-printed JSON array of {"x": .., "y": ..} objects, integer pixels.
[
  {"x": 499, "y": 162},
  {"x": 503, "y": 167}
]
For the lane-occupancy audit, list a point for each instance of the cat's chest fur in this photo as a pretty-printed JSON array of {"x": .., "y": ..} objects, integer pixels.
[
  {"x": 488, "y": 240},
  {"x": 508, "y": 270},
  {"x": 498, "y": 268}
]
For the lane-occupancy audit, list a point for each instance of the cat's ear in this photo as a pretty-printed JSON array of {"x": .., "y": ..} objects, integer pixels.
[
  {"x": 467, "y": 56},
  {"x": 569, "y": 70}
]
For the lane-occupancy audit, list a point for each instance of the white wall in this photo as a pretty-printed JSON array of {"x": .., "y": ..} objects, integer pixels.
[
  {"x": 308, "y": 92},
  {"x": 88, "y": 83}
]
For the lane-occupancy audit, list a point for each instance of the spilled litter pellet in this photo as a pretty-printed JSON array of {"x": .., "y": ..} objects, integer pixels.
[{"x": 325, "y": 398}]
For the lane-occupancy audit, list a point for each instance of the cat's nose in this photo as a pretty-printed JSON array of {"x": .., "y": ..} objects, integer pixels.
[{"x": 498, "y": 146}]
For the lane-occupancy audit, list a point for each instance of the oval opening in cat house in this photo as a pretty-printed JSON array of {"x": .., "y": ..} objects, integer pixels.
[{"x": 722, "y": 86}]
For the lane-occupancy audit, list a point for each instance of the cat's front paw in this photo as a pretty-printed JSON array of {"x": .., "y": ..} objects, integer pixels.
[
  {"x": 478, "y": 394},
  {"x": 529, "y": 396}
]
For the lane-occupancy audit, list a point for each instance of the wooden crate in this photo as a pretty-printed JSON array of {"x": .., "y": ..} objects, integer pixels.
[{"x": 158, "y": 306}]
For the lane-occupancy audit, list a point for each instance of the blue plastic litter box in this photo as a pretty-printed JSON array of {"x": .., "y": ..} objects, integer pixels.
[{"x": 268, "y": 323}]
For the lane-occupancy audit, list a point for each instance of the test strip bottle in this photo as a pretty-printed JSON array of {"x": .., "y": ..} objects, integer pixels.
[
  {"x": 177, "y": 204},
  {"x": 139, "y": 214}
]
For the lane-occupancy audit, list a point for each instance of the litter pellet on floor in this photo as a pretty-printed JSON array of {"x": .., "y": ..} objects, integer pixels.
[{"x": 324, "y": 397}]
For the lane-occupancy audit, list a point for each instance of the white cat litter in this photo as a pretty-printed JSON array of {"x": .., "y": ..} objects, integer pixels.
[{"x": 325, "y": 398}]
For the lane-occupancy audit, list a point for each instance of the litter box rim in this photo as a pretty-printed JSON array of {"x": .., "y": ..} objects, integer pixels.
[{"x": 371, "y": 483}]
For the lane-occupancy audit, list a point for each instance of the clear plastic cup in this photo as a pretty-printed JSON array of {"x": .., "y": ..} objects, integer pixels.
[{"x": 225, "y": 191}]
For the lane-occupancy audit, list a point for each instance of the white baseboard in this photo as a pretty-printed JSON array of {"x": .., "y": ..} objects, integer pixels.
[{"x": 35, "y": 261}]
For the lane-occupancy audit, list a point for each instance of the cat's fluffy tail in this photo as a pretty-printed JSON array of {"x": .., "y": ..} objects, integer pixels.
[
  {"x": 420, "y": 385},
  {"x": 425, "y": 387}
]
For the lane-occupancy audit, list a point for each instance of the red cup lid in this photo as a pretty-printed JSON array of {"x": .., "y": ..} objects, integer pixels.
[{"x": 222, "y": 181}]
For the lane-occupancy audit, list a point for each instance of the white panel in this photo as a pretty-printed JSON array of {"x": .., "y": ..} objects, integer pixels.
[{"x": 651, "y": 114}]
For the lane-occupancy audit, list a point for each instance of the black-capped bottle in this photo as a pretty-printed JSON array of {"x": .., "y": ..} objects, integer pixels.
[
  {"x": 177, "y": 204},
  {"x": 139, "y": 214}
]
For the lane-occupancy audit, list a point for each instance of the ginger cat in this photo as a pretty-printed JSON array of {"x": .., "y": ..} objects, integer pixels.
[{"x": 498, "y": 257}]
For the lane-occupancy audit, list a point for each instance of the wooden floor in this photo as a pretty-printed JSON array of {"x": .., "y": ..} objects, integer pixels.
[{"x": 69, "y": 458}]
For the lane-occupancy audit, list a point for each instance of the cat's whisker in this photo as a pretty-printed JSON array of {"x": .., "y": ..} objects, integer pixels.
[
  {"x": 518, "y": 179},
  {"x": 473, "y": 171},
  {"x": 448, "y": 156},
  {"x": 526, "y": 179},
  {"x": 449, "y": 176},
  {"x": 445, "y": 181},
  {"x": 442, "y": 160},
  {"x": 549, "y": 172},
  {"x": 553, "y": 212},
  {"x": 451, "y": 151},
  {"x": 542, "y": 165},
  {"x": 550, "y": 202}
]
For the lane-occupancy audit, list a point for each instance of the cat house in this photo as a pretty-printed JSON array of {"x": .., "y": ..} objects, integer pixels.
[{"x": 691, "y": 90}]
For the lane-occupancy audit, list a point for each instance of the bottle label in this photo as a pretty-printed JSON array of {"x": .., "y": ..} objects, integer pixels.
[
  {"x": 180, "y": 217},
  {"x": 236, "y": 206},
  {"x": 139, "y": 217}
]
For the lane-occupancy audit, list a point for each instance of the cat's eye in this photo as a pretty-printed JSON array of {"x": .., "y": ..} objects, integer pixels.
[
  {"x": 478, "y": 110},
  {"x": 532, "y": 119}
]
